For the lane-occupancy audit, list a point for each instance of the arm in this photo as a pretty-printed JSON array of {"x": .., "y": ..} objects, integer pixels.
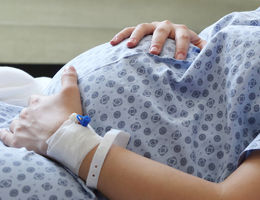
[
  {"x": 161, "y": 31},
  {"x": 126, "y": 175}
]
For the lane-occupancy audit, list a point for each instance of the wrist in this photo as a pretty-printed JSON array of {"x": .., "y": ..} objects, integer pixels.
[
  {"x": 70, "y": 144},
  {"x": 106, "y": 168},
  {"x": 111, "y": 137},
  {"x": 85, "y": 165},
  {"x": 80, "y": 149}
]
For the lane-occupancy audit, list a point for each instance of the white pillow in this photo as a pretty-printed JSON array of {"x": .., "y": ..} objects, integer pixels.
[{"x": 16, "y": 86}]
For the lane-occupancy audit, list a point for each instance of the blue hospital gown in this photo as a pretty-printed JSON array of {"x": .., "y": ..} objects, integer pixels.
[{"x": 200, "y": 115}]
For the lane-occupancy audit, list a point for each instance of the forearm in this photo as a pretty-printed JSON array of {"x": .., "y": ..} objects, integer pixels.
[{"x": 126, "y": 175}]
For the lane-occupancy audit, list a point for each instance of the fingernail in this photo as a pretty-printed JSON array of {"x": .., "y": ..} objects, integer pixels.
[
  {"x": 114, "y": 39},
  {"x": 154, "y": 50},
  {"x": 131, "y": 42},
  {"x": 180, "y": 56},
  {"x": 71, "y": 68}
]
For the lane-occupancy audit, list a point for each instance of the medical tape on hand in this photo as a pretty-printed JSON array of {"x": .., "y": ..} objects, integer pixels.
[{"x": 71, "y": 143}]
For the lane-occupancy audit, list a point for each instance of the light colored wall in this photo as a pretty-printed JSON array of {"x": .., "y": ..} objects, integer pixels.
[{"x": 54, "y": 31}]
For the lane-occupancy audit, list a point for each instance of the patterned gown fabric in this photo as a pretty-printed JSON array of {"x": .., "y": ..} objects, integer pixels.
[{"x": 200, "y": 116}]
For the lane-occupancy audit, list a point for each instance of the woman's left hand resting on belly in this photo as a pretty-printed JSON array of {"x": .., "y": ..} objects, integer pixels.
[
  {"x": 161, "y": 31},
  {"x": 125, "y": 175}
]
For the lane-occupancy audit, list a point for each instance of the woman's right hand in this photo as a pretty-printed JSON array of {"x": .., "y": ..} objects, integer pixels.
[
  {"x": 161, "y": 31},
  {"x": 44, "y": 115}
]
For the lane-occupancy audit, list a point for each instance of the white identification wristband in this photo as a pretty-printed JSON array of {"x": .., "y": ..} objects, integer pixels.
[
  {"x": 117, "y": 137},
  {"x": 71, "y": 143}
]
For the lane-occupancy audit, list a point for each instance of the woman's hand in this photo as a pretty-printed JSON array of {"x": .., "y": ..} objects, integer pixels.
[
  {"x": 161, "y": 31},
  {"x": 44, "y": 116}
]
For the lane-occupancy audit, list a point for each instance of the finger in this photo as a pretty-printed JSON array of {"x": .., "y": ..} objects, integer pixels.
[
  {"x": 119, "y": 37},
  {"x": 69, "y": 77},
  {"x": 13, "y": 125},
  {"x": 33, "y": 99},
  {"x": 182, "y": 38},
  {"x": 6, "y": 137},
  {"x": 139, "y": 32},
  {"x": 197, "y": 41},
  {"x": 161, "y": 33},
  {"x": 70, "y": 94},
  {"x": 24, "y": 113}
]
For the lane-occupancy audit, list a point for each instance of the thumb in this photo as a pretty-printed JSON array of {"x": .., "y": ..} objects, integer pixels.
[
  {"x": 197, "y": 41},
  {"x": 70, "y": 94},
  {"x": 69, "y": 77},
  {"x": 6, "y": 137}
]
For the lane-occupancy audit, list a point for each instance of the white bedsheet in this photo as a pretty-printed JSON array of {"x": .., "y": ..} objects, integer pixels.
[{"x": 16, "y": 86}]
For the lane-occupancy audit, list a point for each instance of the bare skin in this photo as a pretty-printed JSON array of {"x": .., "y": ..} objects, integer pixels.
[
  {"x": 126, "y": 175},
  {"x": 161, "y": 31},
  {"x": 44, "y": 115}
]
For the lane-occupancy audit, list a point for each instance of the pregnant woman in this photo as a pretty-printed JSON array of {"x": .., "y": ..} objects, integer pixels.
[{"x": 193, "y": 123}]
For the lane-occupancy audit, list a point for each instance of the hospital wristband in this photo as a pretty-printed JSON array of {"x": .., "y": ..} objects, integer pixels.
[
  {"x": 116, "y": 137},
  {"x": 71, "y": 143}
]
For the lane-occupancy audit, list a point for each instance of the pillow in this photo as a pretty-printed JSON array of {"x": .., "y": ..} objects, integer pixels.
[{"x": 16, "y": 86}]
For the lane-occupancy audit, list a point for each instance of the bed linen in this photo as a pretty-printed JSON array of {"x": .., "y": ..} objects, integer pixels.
[{"x": 16, "y": 86}]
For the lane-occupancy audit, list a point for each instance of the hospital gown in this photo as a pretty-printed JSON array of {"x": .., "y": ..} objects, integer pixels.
[{"x": 200, "y": 116}]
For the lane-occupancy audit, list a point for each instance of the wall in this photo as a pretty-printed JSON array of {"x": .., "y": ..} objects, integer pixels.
[{"x": 54, "y": 31}]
